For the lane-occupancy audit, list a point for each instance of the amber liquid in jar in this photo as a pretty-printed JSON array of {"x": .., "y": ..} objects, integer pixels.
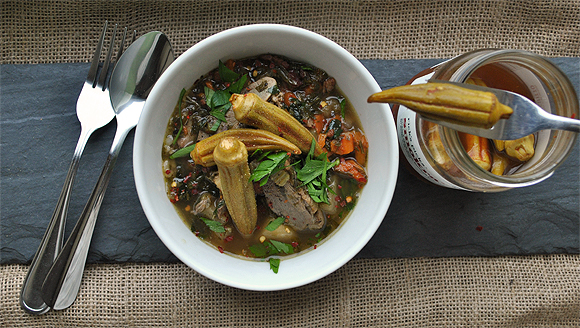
[{"x": 498, "y": 77}]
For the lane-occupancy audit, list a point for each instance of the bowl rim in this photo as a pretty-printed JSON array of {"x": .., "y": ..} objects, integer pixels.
[{"x": 345, "y": 256}]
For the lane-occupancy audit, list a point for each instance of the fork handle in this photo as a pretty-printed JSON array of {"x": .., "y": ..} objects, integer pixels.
[
  {"x": 562, "y": 123},
  {"x": 30, "y": 294},
  {"x": 61, "y": 286}
]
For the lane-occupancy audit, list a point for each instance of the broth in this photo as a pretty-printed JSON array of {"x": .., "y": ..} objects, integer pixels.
[{"x": 314, "y": 100}]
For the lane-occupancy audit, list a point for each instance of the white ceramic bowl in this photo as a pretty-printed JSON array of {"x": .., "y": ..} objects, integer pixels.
[{"x": 355, "y": 82}]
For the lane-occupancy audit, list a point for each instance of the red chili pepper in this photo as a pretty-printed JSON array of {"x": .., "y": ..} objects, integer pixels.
[
  {"x": 229, "y": 238},
  {"x": 294, "y": 244},
  {"x": 221, "y": 249}
]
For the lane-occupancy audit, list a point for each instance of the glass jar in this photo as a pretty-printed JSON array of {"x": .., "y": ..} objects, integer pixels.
[{"x": 436, "y": 152}]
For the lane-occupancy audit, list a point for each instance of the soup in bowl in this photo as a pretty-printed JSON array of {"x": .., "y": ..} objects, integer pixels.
[{"x": 258, "y": 161}]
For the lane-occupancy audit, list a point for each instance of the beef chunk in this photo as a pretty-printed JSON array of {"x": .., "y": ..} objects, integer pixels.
[
  {"x": 295, "y": 204},
  {"x": 328, "y": 85}
]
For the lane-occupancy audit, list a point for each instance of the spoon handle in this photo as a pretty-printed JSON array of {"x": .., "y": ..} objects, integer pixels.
[
  {"x": 30, "y": 294},
  {"x": 62, "y": 283}
]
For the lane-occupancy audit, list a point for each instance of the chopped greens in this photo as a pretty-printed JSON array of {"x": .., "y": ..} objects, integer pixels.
[
  {"x": 259, "y": 250},
  {"x": 181, "y": 94},
  {"x": 342, "y": 106},
  {"x": 273, "y": 163},
  {"x": 313, "y": 175},
  {"x": 183, "y": 151},
  {"x": 227, "y": 74},
  {"x": 274, "y": 264},
  {"x": 271, "y": 247},
  {"x": 237, "y": 86},
  {"x": 219, "y": 100},
  {"x": 282, "y": 247},
  {"x": 275, "y": 224},
  {"x": 213, "y": 225}
]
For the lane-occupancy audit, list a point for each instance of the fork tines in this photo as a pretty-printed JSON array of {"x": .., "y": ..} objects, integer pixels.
[{"x": 105, "y": 70}]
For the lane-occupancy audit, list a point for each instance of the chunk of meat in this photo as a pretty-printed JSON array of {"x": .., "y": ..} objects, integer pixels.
[
  {"x": 328, "y": 85},
  {"x": 295, "y": 204}
]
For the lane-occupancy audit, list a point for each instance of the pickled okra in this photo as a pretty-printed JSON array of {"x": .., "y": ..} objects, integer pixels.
[
  {"x": 231, "y": 158},
  {"x": 448, "y": 102},
  {"x": 250, "y": 109},
  {"x": 253, "y": 139}
]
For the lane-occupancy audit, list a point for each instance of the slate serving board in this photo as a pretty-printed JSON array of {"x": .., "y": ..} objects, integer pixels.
[{"x": 39, "y": 131}]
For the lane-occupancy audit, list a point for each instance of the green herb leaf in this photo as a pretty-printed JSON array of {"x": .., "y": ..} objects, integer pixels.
[
  {"x": 259, "y": 250},
  {"x": 237, "y": 86},
  {"x": 213, "y": 225},
  {"x": 342, "y": 106},
  {"x": 274, "y": 264},
  {"x": 282, "y": 247},
  {"x": 181, "y": 94},
  {"x": 218, "y": 114},
  {"x": 208, "y": 95},
  {"x": 274, "y": 224},
  {"x": 215, "y": 125},
  {"x": 274, "y": 89},
  {"x": 313, "y": 175},
  {"x": 273, "y": 163},
  {"x": 272, "y": 250},
  {"x": 227, "y": 74},
  {"x": 183, "y": 151},
  {"x": 220, "y": 98},
  {"x": 310, "y": 171}
]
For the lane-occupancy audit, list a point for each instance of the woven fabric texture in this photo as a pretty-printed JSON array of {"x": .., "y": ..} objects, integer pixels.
[
  {"x": 62, "y": 31},
  {"x": 531, "y": 291},
  {"x": 537, "y": 291}
]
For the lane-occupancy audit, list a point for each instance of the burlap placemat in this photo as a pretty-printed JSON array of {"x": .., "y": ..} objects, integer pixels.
[
  {"x": 62, "y": 31},
  {"x": 534, "y": 291},
  {"x": 538, "y": 291}
]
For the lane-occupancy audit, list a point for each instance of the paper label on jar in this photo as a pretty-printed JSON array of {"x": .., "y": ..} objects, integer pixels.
[{"x": 409, "y": 143}]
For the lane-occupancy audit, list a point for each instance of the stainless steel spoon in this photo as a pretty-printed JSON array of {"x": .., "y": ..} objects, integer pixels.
[
  {"x": 131, "y": 81},
  {"x": 526, "y": 119}
]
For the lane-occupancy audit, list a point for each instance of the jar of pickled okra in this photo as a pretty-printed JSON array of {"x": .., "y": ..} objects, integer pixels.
[{"x": 452, "y": 159}]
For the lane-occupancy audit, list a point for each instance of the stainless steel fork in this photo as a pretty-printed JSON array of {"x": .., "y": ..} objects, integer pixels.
[{"x": 94, "y": 110}]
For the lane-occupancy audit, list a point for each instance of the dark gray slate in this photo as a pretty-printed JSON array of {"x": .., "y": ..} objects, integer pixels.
[{"x": 39, "y": 131}]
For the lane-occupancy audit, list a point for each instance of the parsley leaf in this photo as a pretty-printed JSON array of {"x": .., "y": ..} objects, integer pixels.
[
  {"x": 274, "y": 264},
  {"x": 342, "y": 106},
  {"x": 220, "y": 98},
  {"x": 274, "y": 224},
  {"x": 237, "y": 86},
  {"x": 313, "y": 175},
  {"x": 273, "y": 163},
  {"x": 282, "y": 247},
  {"x": 227, "y": 74},
  {"x": 259, "y": 250},
  {"x": 213, "y": 225},
  {"x": 183, "y": 151},
  {"x": 208, "y": 95}
]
